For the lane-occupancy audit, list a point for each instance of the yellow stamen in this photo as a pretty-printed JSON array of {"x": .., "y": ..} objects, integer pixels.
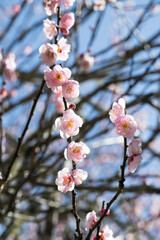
[
  {"x": 76, "y": 150},
  {"x": 70, "y": 124}
]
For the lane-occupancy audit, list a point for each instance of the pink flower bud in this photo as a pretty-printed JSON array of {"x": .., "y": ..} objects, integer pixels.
[
  {"x": 133, "y": 162},
  {"x": 103, "y": 210},
  {"x": 72, "y": 106},
  {"x": 67, "y": 20},
  {"x": 135, "y": 147}
]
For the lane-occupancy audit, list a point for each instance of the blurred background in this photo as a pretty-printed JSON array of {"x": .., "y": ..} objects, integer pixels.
[{"x": 122, "y": 40}]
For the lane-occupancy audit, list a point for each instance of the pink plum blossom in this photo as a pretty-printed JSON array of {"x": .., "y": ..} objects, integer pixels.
[
  {"x": 125, "y": 126},
  {"x": 69, "y": 124},
  {"x": 63, "y": 49},
  {"x": 91, "y": 220},
  {"x": 56, "y": 77},
  {"x": 66, "y": 22},
  {"x": 133, "y": 162},
  {"x": 70, "y": 90},
  {"x": 51, "y": 6},
  {"x": 60, "y": 106},
  {"x": 79, "y": 175},
  {"x": 99, "y": 5},
  {"x": 65, "y": 180},
  {"x": 76, "y": 151},
  {"x": 105, "y": 234},
  {"x": 135, "y": 147},
  {"x": 48, "y": 53},
  {"x": 68, "y": 3},
  {"x": 86, "y": 62},
  {"x": 50, "y": 28},
  {"x": 118, "y": 109}
]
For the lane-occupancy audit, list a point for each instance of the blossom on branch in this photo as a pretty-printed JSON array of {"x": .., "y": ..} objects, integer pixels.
[
  {"x": 63, "y": 49},
  {"x": 70, "y": 90},
  {"x": 69, "y": 124},
  {"x": 49, "y": 29},
  {"x": 79, "y": 175},
  {"x": 65, "y": 180},
  {"x": 76, "y": 151},
  {"x": 86, "y": 62},
  {"x": 66, "y": 22},
  {"x": 126, "y": 126},
  {"x": 134, "y": 149},
  {"x": 91, "y": 220},
  {"x": 118, "y": 109},
  {"x": 49, "y": 53},
  {"x": 56, "y": 77},
  {"x": 105, "y": 234}
]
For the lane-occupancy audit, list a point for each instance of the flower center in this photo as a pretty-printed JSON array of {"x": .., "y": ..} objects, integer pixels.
[
  {"x": 66, "y": 180},
  {"x": 70, "y": 124},
  {"x": 76, "y": 150},
  {"x": 59, "y": 49},
  {"x": 69, "y": 89},
  {"x": 125, "y": 125},
  {"x": 50, "y": 54},
  {"x": 59, "y": 76}
]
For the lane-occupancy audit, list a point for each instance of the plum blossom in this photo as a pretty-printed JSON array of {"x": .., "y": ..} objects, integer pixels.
[
  {"x": 118, "y": 109},
  {"x": 86, "y": 62},
  {"x": 56, "y": 77},
  {"x": 63, "y": 49},
  {"x": 48, "y": 53},
  {"x": 52, "y": 5},
  {"x": 134, "y": 149},
  {"x": 125, "y": 126},
  {"x": 99, "y": 5},
  {"x": 50, "y": 28},
  {"x": 60, "y": 106},
  {"x": 76, "y": 151},
  {"x": 69, "y": 124},
  {"x": 65, "y": 180},
  {"x": 91, "y": 220},
  {"x": 70, "y": 90},
  {"x": 133, "y": 162},
  {"x": 66, "y": 22},
  {"x": 105, "y": 234},
  {"x": 79, "y": 175}
]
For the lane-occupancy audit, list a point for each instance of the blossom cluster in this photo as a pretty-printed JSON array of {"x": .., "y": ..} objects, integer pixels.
[
  {"x": 126, "y": 126},
  {"x": 58, "y": 80}
]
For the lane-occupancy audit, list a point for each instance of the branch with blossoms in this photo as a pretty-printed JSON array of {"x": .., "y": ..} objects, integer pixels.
[{"x": 58, "y": 80}]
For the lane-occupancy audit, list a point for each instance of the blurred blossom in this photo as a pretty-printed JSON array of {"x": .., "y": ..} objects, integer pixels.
[
  {"x": 86, "y": 62},
  {"x": 28, "y": 50},
  {"x": 16, "y": 9},
  {"x": 99, "y": 5},
  {"x": 155, "y": 9},
  {"x": 10, "y": 67}
]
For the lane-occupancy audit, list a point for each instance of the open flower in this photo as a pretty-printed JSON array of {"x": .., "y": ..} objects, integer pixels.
[
  {"x": 105, "y": 234},
  {"x": 63, "y": 49},
  {"x": 70, "y": 90},
  {"x": 133, "y": 162},
  {"x": 91, "y": 220},
  {"x": 50, "y": 28},
  {"x": 69, "y": 124},
  {"x": 125, "y": 126},
  {"x": 118, "y": 109},
  {"x": 48, "y": 53},
  {"x": 65, "y": 180},
  {"x": 56, "y": 77},
  {"x": 76, "y": 151},
  {"x": 79, "y": 175}
]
